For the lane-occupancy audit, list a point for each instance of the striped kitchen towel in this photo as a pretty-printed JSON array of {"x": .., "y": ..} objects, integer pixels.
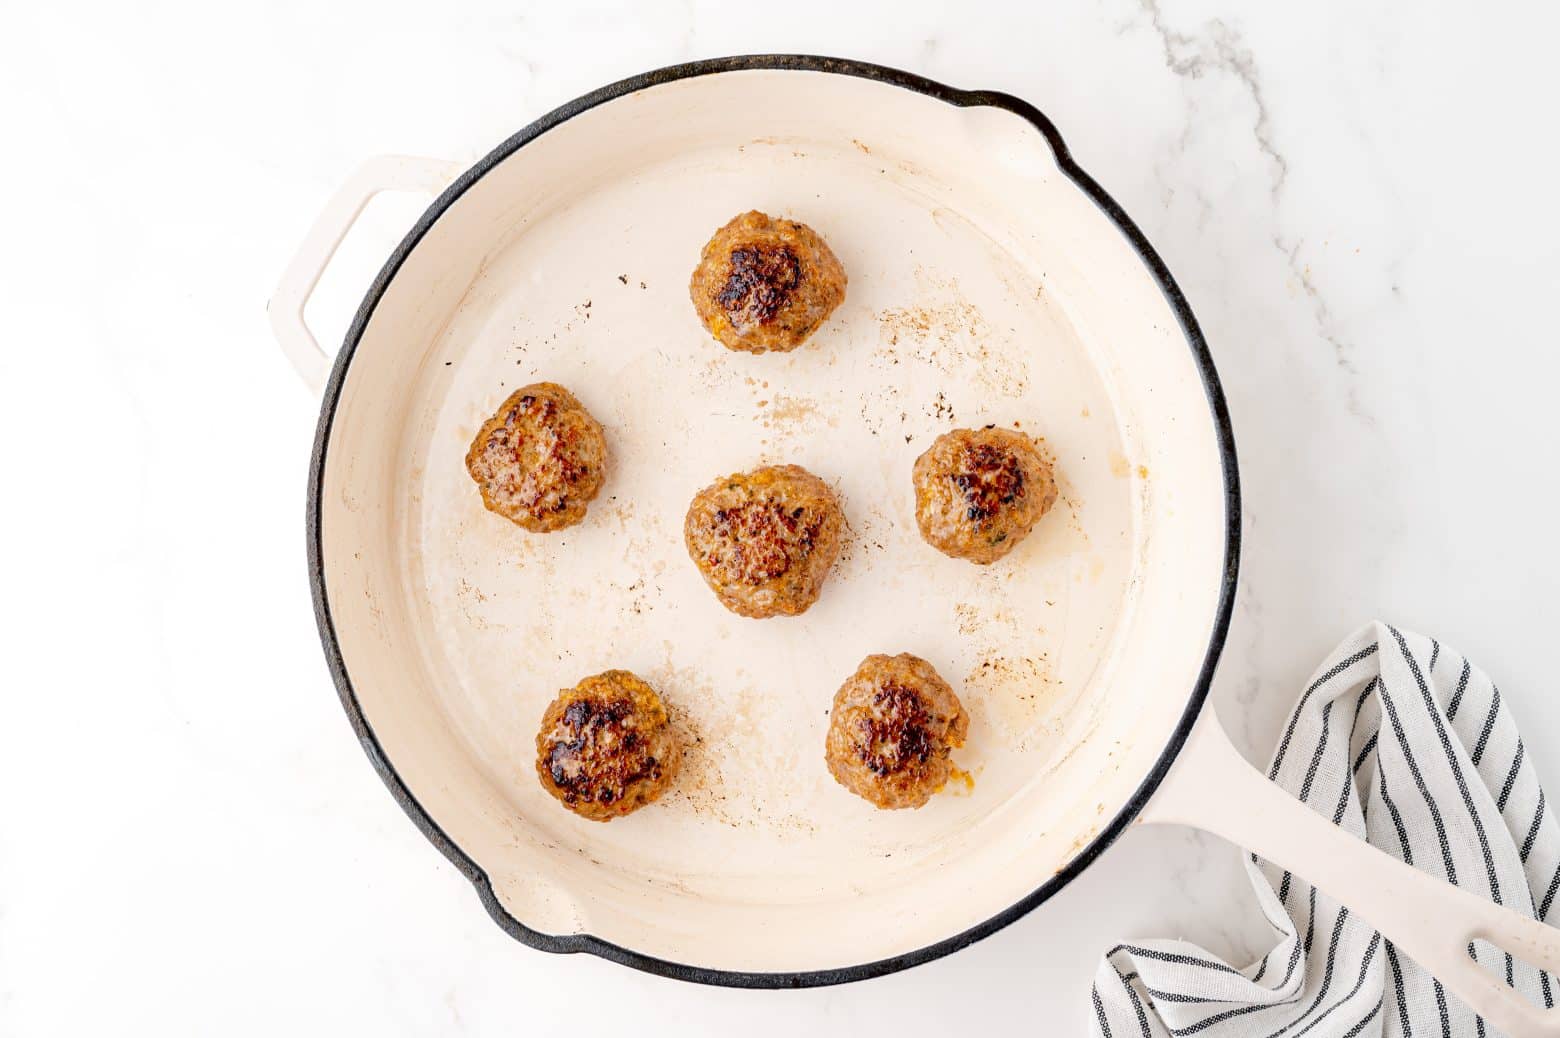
[{"x": 1402, "y": 742}]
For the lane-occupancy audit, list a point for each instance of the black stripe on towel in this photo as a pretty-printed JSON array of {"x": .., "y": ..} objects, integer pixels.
[
  {"x": 1370, "y": 744},
  {"x": 1326, "y": 974},
  {"x": 1489, "y": 726},
  {"x": 1397, "y": 987},
  {"x": 1172, "y": 957},
  {"x": 1359, "y": 702},
  {"x": 1177, "y": 996},
  {"x": 1243, "y": 1010},
  {"x": 1357, "y": 1028},
  {"x": 1549, "y": 898},
  {"x": 1171, "y": 996},
  {"x": 1511, "y": 777},
  {"x": 1462, "y": 785},
  {"x": 1451, "y": 760},
  {"x": 1294, "y": 718},
  {"x": 1538, "y": 818},
  {"x": 1332, "y": 946},
  {"x": 1219, "y": 1018},
  {"x": 1137, "y": 1005},
  {"x": 1419, "y": 780},
  {"x": 1370, "y": 954},
  {"x": 1397, "y": 819},
  {"x": 1316, "y": 755},
  {"x": 1283, "y": 888},
  {"x": 1310, "y": 936},
  {"x": 1343, "y": 799},
  {"x": 1462, "y": 686}
]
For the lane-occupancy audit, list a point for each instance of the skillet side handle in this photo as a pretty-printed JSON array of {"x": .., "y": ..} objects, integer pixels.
[
  {"x": 1214, "y": 789},
  {"x": 383, "y": 173}
]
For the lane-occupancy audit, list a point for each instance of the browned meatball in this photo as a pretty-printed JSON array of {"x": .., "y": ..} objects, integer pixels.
[
  {"x": 540, "y": 460},
  {"x": 893, "y": 726},
  {"x": 764, "y": 540},
  {"x": 606, "y": 746},
  {"x": 978, "y": 492},
  {"x": 765, "y": 284}
]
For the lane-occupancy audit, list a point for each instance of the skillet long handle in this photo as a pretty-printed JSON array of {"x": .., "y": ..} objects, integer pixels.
[
  {"x": 1211, "y": 787},
  {"x": 382, "y": 173}
]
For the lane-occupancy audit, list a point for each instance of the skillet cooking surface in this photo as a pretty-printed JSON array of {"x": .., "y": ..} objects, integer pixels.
[{"x": 985, "y": 286}]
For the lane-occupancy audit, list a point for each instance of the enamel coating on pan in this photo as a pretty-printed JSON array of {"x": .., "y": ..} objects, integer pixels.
[{"x": 1208, "y": 626}]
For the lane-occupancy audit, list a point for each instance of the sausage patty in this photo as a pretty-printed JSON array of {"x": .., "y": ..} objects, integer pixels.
[
  {"x": 764, "y": 540},
  {"x": 892, "y": 728},
  {"x": 978, "y": 492},
  {"x": 765, "y": 284},
  {"x": 606, "y": 746},
  {"x": 540, "y": 460}
]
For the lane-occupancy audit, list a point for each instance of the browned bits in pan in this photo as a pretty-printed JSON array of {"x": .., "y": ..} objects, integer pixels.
[
  {"x": 893, "y": 727},
  {"x": 765, "y": 284},
  {"x": 978, "y": 492},
  {"x": 606, "y": 746},
  {"x": 765, "y": 540},
  {"x": 540, "y": 459}
]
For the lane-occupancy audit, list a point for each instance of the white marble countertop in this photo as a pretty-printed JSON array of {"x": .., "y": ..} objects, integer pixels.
[{"x": 1358, "y": 200}]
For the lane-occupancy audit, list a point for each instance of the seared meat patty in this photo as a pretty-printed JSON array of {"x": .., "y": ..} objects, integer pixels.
[
  {"x": 540, "y": 460},
  {"x": 764, "y": 540},
  {"x": 765, "y": 284},
  {"x": 891, "y": 730},
  {"x": 978, "y": 492},
  {"x": 606, "y": 746}
]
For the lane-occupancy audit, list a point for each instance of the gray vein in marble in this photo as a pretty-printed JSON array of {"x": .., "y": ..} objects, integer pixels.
[
  {"x": 1222, "y": 49},
  {"x": 1326, "y": 325},
  {"x": 1189, "y": 56}
]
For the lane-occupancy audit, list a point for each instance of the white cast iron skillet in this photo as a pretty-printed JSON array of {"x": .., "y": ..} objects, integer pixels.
[{"x": 991, "y": 280}]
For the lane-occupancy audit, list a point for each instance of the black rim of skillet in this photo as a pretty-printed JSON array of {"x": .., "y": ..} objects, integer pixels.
[{"x": 569, "y": 943}]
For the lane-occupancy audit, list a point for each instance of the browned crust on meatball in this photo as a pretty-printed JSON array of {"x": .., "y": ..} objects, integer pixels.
[
  {"x": 764, "y": 540},
  {"x": 978, "y": 492},
  {"x": 892, "y": 731},
  {"x": 765, "y": 284},
  {"x": 606, "y": 746},
  {"x": 540, "y": 460}
]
